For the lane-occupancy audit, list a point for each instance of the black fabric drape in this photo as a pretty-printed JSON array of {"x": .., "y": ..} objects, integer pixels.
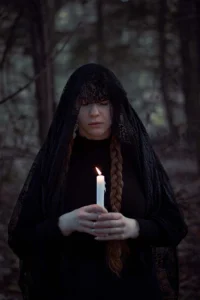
[{"x": 37, "y": 231}]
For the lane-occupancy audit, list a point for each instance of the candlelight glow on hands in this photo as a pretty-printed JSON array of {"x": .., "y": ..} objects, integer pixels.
[{"x": 100, "y": 188}]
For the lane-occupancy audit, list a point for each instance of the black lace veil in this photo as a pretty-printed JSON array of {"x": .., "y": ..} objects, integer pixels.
[{"x": 98, "y": 83}]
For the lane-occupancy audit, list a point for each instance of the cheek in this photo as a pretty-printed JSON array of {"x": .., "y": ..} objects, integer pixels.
[{"x": 82, "y": 117}]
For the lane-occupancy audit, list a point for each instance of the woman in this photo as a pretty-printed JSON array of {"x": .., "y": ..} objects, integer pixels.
[{"x": 70, "y": 247}]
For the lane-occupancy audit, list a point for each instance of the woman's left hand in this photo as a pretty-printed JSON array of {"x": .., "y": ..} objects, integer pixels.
[{"x": 114, "y": 226}]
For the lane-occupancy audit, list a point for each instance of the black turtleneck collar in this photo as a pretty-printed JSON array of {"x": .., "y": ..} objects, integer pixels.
[{"x": 84, "y": 143}]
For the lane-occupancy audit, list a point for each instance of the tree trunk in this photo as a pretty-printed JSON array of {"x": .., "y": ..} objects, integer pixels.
[
  {"x": 99, "y": 32},
  {"x": 41, "y": 32},
  {"x": 163, "y": 68},
  {"x": 197, "y": 3},
  {"x": 191, "y": 66},
  {"x": 197, "y": 47}
]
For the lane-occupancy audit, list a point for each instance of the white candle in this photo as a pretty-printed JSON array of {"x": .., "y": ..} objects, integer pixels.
[{"x": 100, "y": 188}]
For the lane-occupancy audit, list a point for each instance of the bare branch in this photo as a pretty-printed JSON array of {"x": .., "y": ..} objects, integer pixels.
[{"x": 49, "y": 60}]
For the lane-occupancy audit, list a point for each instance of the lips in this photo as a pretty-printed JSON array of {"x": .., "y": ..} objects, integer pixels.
[{"x": 95, "y": 123}]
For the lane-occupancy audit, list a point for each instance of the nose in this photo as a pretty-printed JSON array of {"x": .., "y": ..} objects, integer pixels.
[{"x": 94, "y": 110}]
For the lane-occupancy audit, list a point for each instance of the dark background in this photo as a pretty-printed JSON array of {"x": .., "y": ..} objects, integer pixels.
[{"x": 153, "y": 47}]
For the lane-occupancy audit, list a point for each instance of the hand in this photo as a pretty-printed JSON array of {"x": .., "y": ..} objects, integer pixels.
[
  {"x": 81, "y": 219},
  {"x": 114, "y": 226}
]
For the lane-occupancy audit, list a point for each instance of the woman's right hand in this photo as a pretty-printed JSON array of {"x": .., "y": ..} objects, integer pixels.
[{"x": 82, "y": 219}]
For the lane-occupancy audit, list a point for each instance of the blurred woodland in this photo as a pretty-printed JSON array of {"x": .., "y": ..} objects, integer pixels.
[{"x": 153, "y": 46}]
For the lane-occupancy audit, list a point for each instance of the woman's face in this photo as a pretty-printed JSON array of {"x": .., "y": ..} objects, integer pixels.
[{"x": 94, "y": 120}]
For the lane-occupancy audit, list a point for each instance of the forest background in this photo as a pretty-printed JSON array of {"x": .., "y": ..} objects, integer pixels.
[{"x": 153, "y": 46}]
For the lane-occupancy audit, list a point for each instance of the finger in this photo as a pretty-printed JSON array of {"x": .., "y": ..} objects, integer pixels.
[
  {"x": 95, "y": 208},
  {"x": 89, "y": 216},
  {"x": 87, "y": 224},
  {"x": 110, "y": 237},
  {"x": 110, "y": 216},
  {"x": 109, "y": 224},
  {"x": 112, "y": 231},
  {"x": 91, "y": 231},
  {"x": 95, "y": 235}
]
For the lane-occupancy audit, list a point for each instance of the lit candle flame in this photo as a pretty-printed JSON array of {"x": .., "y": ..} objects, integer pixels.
[{"x": 98, "y": 171}]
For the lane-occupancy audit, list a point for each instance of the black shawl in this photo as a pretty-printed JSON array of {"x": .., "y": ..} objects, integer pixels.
[{"x": 43, "y": 183}]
